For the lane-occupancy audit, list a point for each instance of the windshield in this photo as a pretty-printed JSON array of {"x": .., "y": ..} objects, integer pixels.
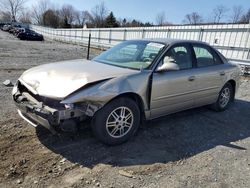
[{"x": 131, "y": 54}]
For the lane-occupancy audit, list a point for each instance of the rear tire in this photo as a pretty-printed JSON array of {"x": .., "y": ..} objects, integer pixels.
[
  {"x": 225, "y": 98},
  {"x": 117, "y": 121}
]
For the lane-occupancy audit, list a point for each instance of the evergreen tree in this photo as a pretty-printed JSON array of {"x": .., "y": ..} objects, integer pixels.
[
  {"x": 111, "y": 21},
  {"x": 124, "y": 22}
]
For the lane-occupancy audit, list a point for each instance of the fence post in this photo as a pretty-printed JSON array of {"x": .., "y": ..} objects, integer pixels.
[
  {"x": 110, "y": 33},
  {"x": 70, "y": 37},
  {"x": 200, "y": 37},
  {"x": 143, "y": 34},
  {"x": 125, "y": 34},
  {"x": 82, "y": 40},
  {"x": 53, "y": 33},
  {"x": 64, "y": 35},
  {"x": 75, "y": 36},
  {"x": 169, "y": 33},
  {"x": 59, "y": 35},
  {"x": 99, "y": 35}
]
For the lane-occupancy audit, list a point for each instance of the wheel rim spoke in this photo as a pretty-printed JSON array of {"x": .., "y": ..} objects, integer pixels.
[
  {"x": 123, "y": 111},
  {"x": 121, "y": 131},
  {"x": 111, "y": 124},
  {"x": 114, "y": 131},
  {"x": 128, "y": 117},
  {"x": 126, "y": 124},
  {"x": 115, "y": 115}
]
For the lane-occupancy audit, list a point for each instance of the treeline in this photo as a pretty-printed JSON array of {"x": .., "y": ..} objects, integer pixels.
[
  {"x": 45, "y": 13},
  {"x": 220, "y": 14},
  {"x": 67, "y": 16}
]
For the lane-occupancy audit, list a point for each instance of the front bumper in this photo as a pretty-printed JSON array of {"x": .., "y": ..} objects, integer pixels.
[
  {"x": 37, "y": 113},
  {"x": 36, "y": 118},
  {"x": 35, "y": 121}
]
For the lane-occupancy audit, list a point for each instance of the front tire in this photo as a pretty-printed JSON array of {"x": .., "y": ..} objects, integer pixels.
[
  {"x": 225, "y": 98},
  {"x": 117, "y": 121}
]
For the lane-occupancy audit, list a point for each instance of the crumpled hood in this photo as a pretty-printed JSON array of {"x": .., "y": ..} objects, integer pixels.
[{"x": 57, "y": 80}]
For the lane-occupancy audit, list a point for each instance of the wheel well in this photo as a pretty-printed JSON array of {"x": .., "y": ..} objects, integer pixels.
[
  {"x": 135, "y": 97},
  {"x": 233, "y": 84}
]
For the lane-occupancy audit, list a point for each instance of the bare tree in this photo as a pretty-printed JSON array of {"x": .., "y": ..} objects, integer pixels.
[
  {"x": 25, "y": 17},
  {"x": 99, "y": 13},
  {"x": 237, "y": 12},
  {"x": 83, "y": 17},
  {"x": 160, "y": 18},
  {"x": 38, "y": 10},
  {"x": 188, "y": 19},
  {"x": 246, "y": 17},
  {"x": 78, "y": 18},
  {"x": 5, "y": 16},
  {"x": 193, "y": 18},
  {"x": 218, "y": 13},
  {"x": 68, "y": 13},
  {"x": 12, "y": 7},
  {"x": 87, "y": 18}
]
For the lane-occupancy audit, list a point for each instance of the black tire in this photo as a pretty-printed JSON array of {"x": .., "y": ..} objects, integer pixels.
[
  {"x": 103, "y": 132},
  {"x": 218, "y": 105}
]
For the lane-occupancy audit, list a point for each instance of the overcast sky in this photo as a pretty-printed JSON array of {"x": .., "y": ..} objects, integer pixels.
[{"x": 146, "y": 10}]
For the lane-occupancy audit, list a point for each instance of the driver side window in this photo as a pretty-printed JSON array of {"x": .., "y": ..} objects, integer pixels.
[{"x": 180, "y": 55}]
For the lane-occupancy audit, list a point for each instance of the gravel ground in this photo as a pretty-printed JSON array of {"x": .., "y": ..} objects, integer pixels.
[{"x": 194, "y": 148}]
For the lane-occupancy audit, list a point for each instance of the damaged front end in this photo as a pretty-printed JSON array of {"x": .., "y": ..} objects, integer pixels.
[
  {"x": 50, "y": 113},
  {"x": 65, "y": 113}
]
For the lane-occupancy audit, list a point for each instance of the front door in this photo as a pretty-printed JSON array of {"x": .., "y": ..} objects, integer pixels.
[{"x": 172, "y": 91}]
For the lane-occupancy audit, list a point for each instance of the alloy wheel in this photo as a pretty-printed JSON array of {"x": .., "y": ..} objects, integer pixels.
[
  {"x": 119, "y": 122},
  {"x": 224, "y": 97}
]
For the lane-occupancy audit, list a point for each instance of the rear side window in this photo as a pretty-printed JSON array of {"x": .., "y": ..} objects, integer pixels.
[{"x": 205, "y": 56}]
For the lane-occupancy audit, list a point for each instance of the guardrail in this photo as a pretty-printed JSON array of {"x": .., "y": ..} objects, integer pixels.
[{"x": 232, "y": 40}]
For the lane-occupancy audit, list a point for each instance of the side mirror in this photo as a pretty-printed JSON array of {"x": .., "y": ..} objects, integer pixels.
[{"x": 168, "y": 65}]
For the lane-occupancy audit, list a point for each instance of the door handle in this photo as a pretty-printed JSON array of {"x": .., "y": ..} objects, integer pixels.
[
  {"x": 222, "y": 73},
  {"x": 191, "y": 78}
]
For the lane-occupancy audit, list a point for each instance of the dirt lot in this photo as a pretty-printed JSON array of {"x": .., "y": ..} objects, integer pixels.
[{"x": 195, "y": 148}]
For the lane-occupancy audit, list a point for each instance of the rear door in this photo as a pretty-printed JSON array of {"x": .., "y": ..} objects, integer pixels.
[
  {"x": 172, "y": 91},
  {"x": 208, "y": 74}
]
